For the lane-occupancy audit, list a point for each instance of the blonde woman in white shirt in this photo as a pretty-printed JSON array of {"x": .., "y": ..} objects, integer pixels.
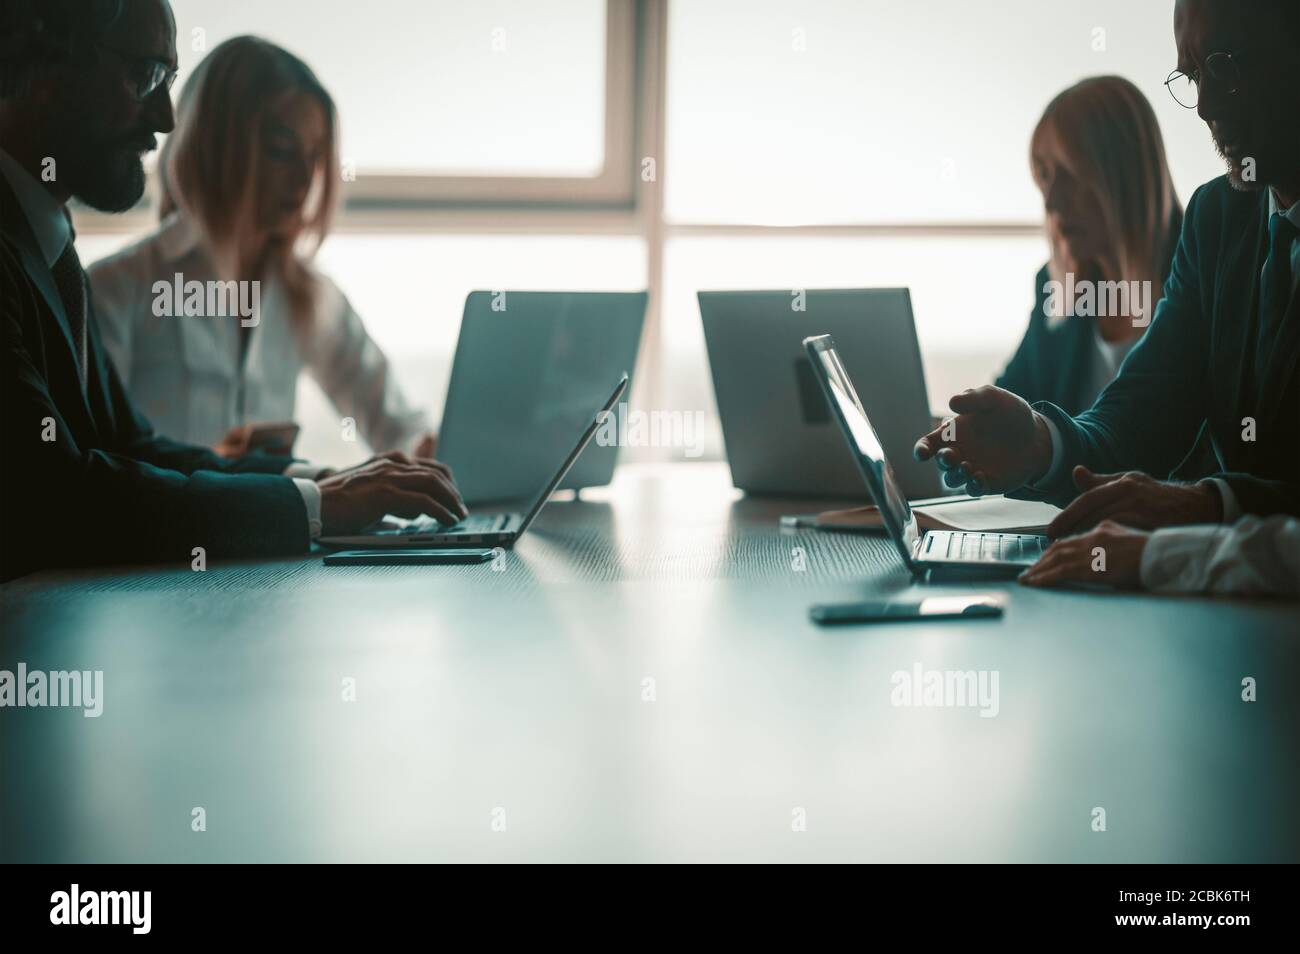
[{"x": 250, "y": 183}]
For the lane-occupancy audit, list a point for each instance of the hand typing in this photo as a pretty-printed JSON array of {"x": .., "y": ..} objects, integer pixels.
[
  {"x": 1135, "y": 500},
  {"x": 395, "y": 483}
]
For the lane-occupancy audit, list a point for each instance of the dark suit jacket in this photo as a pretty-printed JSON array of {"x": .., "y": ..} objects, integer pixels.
[
  {"x": 107, "y": 489},
  {"x": 1053, "y": 361},
  {"x": 1194, "y": 368}
]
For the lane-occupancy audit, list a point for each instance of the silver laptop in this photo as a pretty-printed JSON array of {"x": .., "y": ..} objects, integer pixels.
[
  {"x": 529, "y": 368},
  {"x": 935, "y": 548},
  {"x": 779, "y": 435},
  {"x": 481, "y": 530}
]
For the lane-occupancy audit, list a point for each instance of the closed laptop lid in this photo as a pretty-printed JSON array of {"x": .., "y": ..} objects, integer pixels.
[{"x": 779, "y": 434}]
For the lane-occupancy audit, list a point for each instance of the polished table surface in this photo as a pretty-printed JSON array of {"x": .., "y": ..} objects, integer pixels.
[{"x": 639, "y": 680}]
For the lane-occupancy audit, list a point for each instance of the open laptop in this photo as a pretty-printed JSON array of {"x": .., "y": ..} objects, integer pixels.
[
  {"x": 779, "y": 435},
  {"x": 529, "y": 368},
  {"x": 481, "y": 530},
  {"x": 935, "y": 548}
]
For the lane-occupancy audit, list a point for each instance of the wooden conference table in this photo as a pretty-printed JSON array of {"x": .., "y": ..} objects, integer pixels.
[{"x": 639, "y": 681}]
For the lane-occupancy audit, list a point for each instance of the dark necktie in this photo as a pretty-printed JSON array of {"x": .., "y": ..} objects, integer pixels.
[
  {"x": 70, "y": 280},
  {"x": 1274, "y": 291}
]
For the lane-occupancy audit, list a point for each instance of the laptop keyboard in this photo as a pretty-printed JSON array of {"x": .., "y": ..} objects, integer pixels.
[
  {"x": 474, "y": 523},
  {"x": 962, "y": 547}
]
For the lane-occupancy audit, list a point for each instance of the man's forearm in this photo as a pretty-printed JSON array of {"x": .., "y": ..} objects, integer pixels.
[{"x": 191, "y": 458}]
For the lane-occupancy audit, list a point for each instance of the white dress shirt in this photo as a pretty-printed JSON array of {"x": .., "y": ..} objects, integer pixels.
[
  {"x": 47, "y": 218},
  {"x": 188, "y": 376},
  {"x": 1105, "y": 360},
  {"x": 49, "y": 224},
  {"x": 1231, "y": 508},
  {"x": 1251, "y": 557}
]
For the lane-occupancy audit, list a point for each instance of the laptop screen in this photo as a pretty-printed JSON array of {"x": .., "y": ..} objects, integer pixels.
[{"x": 882, "y": 483}]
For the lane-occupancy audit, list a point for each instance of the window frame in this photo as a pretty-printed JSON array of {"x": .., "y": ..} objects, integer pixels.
[
  {"x": 613, "y": 186},
  {"x": 618, "y": 201}
]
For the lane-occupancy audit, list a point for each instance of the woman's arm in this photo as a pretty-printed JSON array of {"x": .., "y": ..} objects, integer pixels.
[
  {"x": 357, "y": 376},
  {"x": 1251, "y": 557}
]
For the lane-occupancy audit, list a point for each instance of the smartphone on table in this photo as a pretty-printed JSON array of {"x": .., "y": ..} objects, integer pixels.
[
  {"x": 273, "y": 437},
  {"x": 415, "y": 557},
  {"x": 976, "y": 606}
]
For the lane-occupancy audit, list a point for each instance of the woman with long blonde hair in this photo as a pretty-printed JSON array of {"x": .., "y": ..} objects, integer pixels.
[
  {"x": 1112, "y": 220},
  {"x": 250, "y": 181}
]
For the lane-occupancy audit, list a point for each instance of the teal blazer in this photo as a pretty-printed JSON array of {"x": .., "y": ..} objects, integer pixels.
[
  {"x": 106, "y": 488},
  {"x": 1192, "y": 372},
  {"x": 1052, "y": 361}
]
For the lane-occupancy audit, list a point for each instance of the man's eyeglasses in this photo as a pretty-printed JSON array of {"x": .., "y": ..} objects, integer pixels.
[
  {"x": 144, "y": 74},
  {"x": 1185, "y": 88}
]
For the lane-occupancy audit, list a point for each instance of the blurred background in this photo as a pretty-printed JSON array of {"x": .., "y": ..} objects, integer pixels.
[{"x": 679, "y": 145}]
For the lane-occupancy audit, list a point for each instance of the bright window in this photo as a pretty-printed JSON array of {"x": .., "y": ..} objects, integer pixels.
[
  {"x": 499, "y": 87},
  {"x": 868, "y": 111},
  {"x": 500, "y": 144}
]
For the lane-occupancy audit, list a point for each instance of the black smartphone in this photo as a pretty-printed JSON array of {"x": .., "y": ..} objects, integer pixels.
[
  {"x": 276, "y": 437},
  {"x": 983, "y": 605},
  {"x": 408, "y": 557}
]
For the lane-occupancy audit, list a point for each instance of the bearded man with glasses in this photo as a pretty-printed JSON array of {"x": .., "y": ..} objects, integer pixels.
[
  {"x": 1221, "y": 355},
  {"x": 83, "y": 478}
]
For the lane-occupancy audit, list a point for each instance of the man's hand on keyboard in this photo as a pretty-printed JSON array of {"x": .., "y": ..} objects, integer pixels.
[
  {"x": 1110, "y": 553},
  {"x": 393, "y": 483},
  {"x": 1136, "y": 500},
  {"x": 398, "y": 457}
]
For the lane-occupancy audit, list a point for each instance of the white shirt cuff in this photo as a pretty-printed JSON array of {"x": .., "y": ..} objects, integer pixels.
[
  {"x": 1058, "y": 453},
  {"x": 1231, "y": 508},
  {"x": 1177, "y": 559},
  {"x": 305, "y": 470},
  {"x": 311, "y": 500}
]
